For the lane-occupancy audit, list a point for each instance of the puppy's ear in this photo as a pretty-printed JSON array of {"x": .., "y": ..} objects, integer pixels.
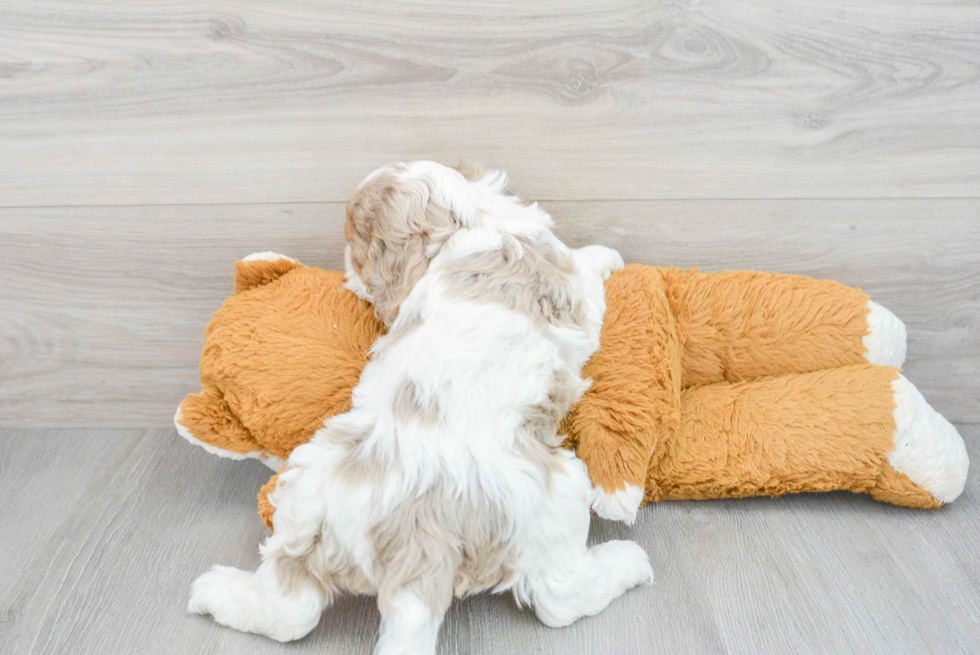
[
  {"x": 394, "y": 229},
  {"x": 471, "y": 170}
]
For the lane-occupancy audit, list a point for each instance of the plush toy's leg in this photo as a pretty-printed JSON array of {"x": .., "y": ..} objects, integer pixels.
[
  {"x": 261, "y": 268},
  {"x": 862, "y": 428},
  {"x": 616, "y": 457},
  {"x": 564, "y": 578},
  {"x": 742, "y": 325},
  {"x": 644, "y": 376}
]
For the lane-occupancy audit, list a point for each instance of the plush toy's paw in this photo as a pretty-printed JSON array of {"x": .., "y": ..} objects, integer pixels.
[
  {"x": 928, "y": 449},
  {"x": 619, "y": 505},
  {"x": 885, "y": 342}
]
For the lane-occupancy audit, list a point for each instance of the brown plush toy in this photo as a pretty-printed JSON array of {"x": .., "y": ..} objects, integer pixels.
[{"x": 706, "y": 385}]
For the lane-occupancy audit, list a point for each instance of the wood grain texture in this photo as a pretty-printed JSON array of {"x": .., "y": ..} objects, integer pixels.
[
  {"x": 104, "y": 308},
  {"x": 136, "y": 102},
  {"x": 105, "y": 530}
]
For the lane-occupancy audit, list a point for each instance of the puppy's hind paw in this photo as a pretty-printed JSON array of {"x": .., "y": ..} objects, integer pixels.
[
  {"x": 625, "y": 565},
  {"x": 219, "y": 593},
  {"x": 256, "y": 602}
]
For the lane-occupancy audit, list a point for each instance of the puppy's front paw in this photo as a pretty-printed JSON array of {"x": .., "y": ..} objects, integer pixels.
[
  {"x": 615, "y": 262},
  {"x": 618, "y": 505},
  {"x": 602, "y": 259}
]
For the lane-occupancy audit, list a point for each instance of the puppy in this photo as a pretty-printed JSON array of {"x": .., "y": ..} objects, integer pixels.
[{"x": 446, "y": 477}]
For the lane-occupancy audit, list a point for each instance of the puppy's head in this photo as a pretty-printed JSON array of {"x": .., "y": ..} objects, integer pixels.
[{"x": 394, "y": 228}]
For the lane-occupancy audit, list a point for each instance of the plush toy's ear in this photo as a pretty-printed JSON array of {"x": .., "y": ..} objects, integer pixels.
[
  {"x": 266, "y": 510},
  {"x": 261, "y": 268},
  {"x": 206, "y": 420}
]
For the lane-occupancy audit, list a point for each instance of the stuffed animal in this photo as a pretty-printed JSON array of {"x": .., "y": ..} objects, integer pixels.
[{"x": 706, "y": 385}]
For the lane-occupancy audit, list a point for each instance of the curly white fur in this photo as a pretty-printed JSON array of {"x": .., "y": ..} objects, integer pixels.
[{"x": 445, "y": 476}]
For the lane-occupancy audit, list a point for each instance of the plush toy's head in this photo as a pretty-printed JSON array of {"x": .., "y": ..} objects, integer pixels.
[{"x": 280, "y": 356}]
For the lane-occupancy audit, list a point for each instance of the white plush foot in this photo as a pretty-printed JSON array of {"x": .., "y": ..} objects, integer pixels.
[
  {"x": 619, "y": 505},
  {"x": 267, "y": 256},
  {"x": 885, "y": 342},
  {"x": 253, "y": 602},
  {"x": 928, "y": 449}
]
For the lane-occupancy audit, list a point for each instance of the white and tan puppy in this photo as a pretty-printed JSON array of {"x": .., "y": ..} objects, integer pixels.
[{"x": 446, "y": 476}]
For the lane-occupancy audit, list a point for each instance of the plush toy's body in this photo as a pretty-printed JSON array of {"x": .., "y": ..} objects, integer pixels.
[{"x": 705, "y": 386}]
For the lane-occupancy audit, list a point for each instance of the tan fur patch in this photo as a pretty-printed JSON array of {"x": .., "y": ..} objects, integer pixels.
[
  {"x": 541, "y": 422},
  {"x": 438, "y": 544},
  {"x": 393, "y": 229},
  {"x": 529, "y": 279},
  {"x": 542, "y": 419},
  {"x": 472, "y": 171},
  {"x": 331, "y": 568},
  {"x": 412, "y": 404},
  {"x": 358, "y": 466},
  {"x": 406, "y": 324}
]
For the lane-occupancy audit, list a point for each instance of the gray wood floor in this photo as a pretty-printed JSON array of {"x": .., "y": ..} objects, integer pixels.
[{"x": 145, "y": 146}]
